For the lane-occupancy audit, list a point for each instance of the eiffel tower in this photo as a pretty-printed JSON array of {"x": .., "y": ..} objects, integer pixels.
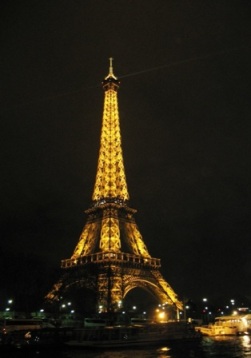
[{"x": 111, "y": 257}]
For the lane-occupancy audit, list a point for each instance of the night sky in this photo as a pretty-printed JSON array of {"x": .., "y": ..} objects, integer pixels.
[{"x": 184, "y": 105}]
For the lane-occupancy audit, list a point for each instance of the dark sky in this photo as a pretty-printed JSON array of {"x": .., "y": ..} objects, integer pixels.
[{"x": 185, "y": 120}]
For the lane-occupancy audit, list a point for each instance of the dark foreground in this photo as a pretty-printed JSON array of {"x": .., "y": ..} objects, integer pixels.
[
  {"x": 101, "y": 337},
  {"x": 123, "y": 342},
  {"x": 227, "y": 347}
]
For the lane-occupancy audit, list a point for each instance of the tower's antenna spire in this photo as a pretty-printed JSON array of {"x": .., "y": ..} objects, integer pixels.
[
  {"x": 111, "y": 68},
  {"x": 111, "y": 74}
]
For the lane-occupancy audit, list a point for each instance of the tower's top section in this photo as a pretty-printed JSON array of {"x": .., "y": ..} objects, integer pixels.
[
  {"x": 110, "y": 184},
  {"x": 111, "y": 74},
  {"x": 111, "y": 81}
]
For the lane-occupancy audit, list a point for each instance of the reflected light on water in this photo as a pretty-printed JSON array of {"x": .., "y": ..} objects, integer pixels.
[
  {"x": 246, "y": 342},
  {"x": 227, "y": 346},
  {"x": 164, "y": 349},
  {"x": 162, "y": 352}
]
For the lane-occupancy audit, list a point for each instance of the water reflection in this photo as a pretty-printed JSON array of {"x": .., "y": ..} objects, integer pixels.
[
  {"x": 246, "y": 343},
  {"x": 179, "y": 351},
  {"x": 139, "y": 353},
  {"x": 163, "y": 352},
  {"x": 224, "y": 347}
]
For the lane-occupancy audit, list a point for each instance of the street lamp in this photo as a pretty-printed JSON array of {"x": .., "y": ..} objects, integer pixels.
[
  {"x": 119, "y": 304},
  {"x": 8, "y": 308}
]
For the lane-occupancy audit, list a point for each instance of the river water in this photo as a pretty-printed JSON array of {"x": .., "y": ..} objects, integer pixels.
[{"x": 230, "y": 347}]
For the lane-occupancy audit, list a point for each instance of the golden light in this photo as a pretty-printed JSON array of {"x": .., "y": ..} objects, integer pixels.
[{"x": 161, "y": 316}]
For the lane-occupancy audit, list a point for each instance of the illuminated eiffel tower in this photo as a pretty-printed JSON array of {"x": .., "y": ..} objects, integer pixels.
[{"x": 111, "y": 257}]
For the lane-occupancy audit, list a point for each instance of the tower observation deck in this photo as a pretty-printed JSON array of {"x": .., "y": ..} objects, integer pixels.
[{"x": 111, "y": 257}]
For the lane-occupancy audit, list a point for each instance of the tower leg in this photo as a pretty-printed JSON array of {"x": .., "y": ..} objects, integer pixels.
[
  {"x": 177, "y": 314},
  {"x": 110, "y": 293}
]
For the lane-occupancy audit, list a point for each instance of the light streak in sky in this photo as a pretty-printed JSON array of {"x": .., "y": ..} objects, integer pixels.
[
  {"x": 175, "y": 63},
  {"x": 141, "y": 72}
]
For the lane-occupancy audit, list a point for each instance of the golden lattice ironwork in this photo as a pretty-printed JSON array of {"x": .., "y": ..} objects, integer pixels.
[
  {"x": 111, "y": 250},
  {"x": 110, "y": 178}
]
